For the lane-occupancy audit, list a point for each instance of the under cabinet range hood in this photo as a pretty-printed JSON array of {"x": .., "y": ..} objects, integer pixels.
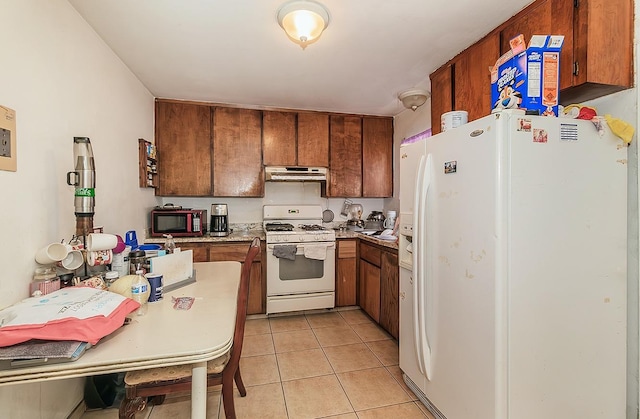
[{"x": 295, "y": 174}]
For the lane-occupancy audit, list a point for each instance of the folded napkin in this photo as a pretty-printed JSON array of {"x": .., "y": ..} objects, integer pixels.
[
  {"x": 286, "y": 251},
  {"x": 318, "y": 251}
]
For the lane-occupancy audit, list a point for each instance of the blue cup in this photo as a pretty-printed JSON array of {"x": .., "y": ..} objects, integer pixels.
[{"x": 155, "y": 283}]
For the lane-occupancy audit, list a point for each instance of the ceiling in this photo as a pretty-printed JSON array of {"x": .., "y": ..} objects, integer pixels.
[{"x": 234, "y": 51}]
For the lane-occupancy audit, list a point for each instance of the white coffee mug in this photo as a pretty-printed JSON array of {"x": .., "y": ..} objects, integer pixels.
[
  {"x": 73, "y": 261},
  {"x": 101, "y": 241},
  {"x": 51, "y": 253}
]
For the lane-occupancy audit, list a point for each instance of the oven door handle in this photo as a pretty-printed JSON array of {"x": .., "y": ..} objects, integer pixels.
[{"x": 301, "y": 246}]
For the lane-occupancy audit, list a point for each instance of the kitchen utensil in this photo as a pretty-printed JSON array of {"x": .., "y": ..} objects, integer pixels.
[
  {"x": 345, "y": 208},
  {"x": 327, "y": 216},
  {"x": 99, "y": 257},
  {"x": 72, "y": 261},
  {"x": 376, "y": 225},
  {"x": 355, "y": 212},
  {"x": 101, "y": 241},
  {"x": 376, "y": 216},
  {"x": 51, "y": 253}
]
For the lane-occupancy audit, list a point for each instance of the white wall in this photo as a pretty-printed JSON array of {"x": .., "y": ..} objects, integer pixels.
[
  {"x": 62, "y": 81},
  {"x": 406, "y": 124}
]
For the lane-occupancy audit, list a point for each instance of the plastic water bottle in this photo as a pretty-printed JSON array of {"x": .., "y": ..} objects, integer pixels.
[{"x": 140, "y": 292}]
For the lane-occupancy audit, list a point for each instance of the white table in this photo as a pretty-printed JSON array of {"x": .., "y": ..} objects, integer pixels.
[{"x": 162, "y": 337}]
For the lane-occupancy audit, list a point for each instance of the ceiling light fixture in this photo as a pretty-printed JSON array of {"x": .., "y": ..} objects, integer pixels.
[
  {"x": 413, "y": 98},
  {"x": 303, "y": 21}
]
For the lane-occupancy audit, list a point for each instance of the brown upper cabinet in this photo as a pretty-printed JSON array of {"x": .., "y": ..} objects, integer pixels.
[
  {"x": 183, "y": 141},
  {"x": 215, "y": 151},
  {"x": 207, "y": 151},
  {"x": 377, "y": 157},
  {"x": 545, "y": 17},
  {"x": 441, "y": 95},
  {"x": 237, "y": 152},
  {"x": 279, "y": 139},
  {"x": 291, "y": 139},
  {"x": 313, "y": 139},
  {"x": 472, "y": 90},
  {"x": 596, "y": 57},
  {"x": 345, "y": 171}
]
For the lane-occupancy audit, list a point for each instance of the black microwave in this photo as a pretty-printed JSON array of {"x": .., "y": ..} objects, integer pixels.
[{"x": 179, "y": 223}]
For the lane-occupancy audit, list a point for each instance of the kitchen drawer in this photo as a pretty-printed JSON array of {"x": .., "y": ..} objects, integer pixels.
[
  {"x": 370, "y": 254},
  {"x": 346, "y": 249},
  {"x": 233, "y": 252}
]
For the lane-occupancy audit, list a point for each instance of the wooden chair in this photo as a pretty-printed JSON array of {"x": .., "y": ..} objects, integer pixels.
[{"x": 158, "y": 382}]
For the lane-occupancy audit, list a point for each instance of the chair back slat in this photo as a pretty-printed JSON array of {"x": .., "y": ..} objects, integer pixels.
[{"x": 243, "y": 300}]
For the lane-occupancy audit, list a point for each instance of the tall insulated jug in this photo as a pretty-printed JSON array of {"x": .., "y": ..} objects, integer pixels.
[{"x": 84, "y": 179}]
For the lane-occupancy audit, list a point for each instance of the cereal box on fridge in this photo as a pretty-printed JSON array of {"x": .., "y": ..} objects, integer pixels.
[{"x": 528, "y": 78}]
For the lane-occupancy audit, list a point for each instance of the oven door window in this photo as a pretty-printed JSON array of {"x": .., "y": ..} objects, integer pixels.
[{"x": 301, "y": 268}]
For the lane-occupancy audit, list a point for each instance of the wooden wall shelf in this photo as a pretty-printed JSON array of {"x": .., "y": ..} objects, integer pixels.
[{"x": 148, "y": 164}]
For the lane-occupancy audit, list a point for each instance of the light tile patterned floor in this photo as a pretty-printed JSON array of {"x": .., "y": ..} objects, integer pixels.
[{"x": 337, "y": 365}]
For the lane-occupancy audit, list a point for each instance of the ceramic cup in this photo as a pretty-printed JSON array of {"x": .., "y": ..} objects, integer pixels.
[
  {"x": 51, "y": 253},
  {"x": 72, "y": 261},
  {"x": 155, "y": 283},
  {"x": 100, "y": 257},
  {"x": 101, "y": 241}
]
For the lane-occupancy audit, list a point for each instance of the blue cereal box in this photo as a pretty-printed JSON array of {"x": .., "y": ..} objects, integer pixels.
[{"x": 528, "y": 78}]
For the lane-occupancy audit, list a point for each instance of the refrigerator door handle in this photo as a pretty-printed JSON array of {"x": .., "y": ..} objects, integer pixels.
[
  {"x": 425, "y": 277},
  {"x": 423, "y": 350},
  {"x": 415, "y": 255}
]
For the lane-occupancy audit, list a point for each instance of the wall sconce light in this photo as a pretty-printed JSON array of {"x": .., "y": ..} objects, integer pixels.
[
  {"x": 413, "y": 98},
  {"x": 303, "y": 21}
]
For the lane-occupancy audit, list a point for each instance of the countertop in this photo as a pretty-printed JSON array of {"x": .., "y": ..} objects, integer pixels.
[
  {"x": 350, "y": 234},
  {"x": 235, "y": 236},
  {"x": 248, "y": 235}
]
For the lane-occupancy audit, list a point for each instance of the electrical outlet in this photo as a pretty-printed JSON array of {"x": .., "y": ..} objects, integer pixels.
[{"x": 5, "y": 142}]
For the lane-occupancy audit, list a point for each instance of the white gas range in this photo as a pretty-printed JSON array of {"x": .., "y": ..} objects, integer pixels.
[{"x": 300, "y": 259}]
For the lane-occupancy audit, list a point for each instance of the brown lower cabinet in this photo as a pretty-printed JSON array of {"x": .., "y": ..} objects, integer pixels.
[
  {"x": 346, "y": 271},
  {"x": 378, "y": 285},
  {"x": 216, "y": 252}
]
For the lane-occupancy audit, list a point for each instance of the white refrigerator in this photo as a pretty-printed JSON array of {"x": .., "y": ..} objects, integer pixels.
[{"x": 512, "y": 260}]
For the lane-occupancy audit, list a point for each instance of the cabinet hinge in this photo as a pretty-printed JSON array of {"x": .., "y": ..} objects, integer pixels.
[
  {"x": 575, "y": 68},
  {"x": 576, "y": 3}
]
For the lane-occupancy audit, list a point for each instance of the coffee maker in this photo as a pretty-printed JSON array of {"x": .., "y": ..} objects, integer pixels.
[{"x": 219, "y": 220}]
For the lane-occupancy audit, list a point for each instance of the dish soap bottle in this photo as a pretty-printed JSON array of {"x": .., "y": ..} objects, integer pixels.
[{"x": 169, "y": 244}]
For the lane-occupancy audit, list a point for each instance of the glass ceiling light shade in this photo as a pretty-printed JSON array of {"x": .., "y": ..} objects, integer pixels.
[
  {"x": 413, "y": 98},
  {"x": 303, "y": 21}
]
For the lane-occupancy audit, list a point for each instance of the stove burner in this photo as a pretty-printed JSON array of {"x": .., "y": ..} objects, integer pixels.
[
  {"x": 278, "y": 227},
  {"x": 311, "y": 227}
]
